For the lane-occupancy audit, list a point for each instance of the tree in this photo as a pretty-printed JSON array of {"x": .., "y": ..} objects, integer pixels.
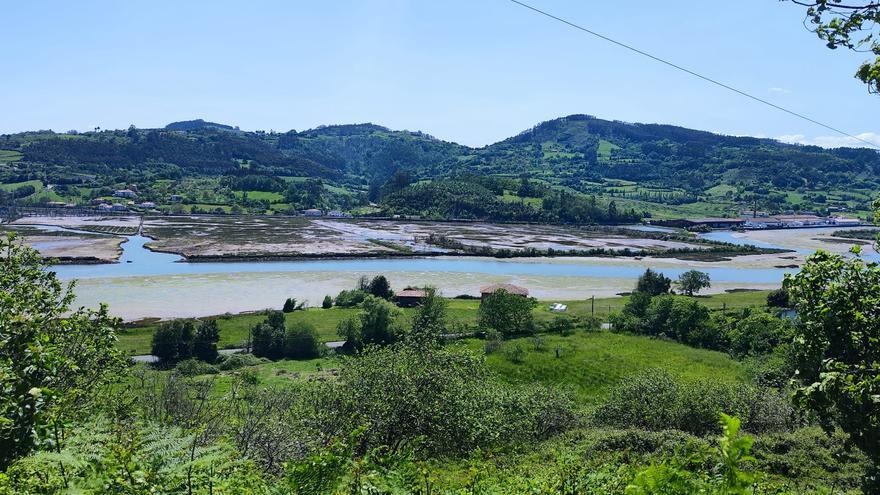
[
  {"x": 327, "y": 303},
  {"x": 205, "y": 341},
  {"x": 380, "y": 287},
  {"x": 692, "y": 281},
  {"x": 301, "y": 341},
  {"x": 510, "y": 314},
  {"x": 653, "y": 283},
  {"x": 851, "y": 25},
  {"x": 429, "y": 322},
  {"x": 289, "y": 305},
  {"x": 52, "y": 359},
  {"x": 375, "y": 324},
  {"x": 837, "y": 348},
  {"x": 778, "y": 299},
  {"x": 268, "y": 336},
  {"x": 173, "y": 341}
]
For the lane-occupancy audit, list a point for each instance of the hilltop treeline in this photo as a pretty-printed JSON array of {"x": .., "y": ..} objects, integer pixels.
[{"x": 462, "y": 199}]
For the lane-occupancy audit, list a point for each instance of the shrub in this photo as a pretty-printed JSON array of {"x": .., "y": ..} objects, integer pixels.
[
  {"x": 757, "y": 334},
  {"x": 590, "y": 323},
  {"x": 194, "y": 367},
  {"x": 350, "y": 298},
  {"x": 205, "y": 341},
  {"x": 778, "y": 298},
  {"x": 494, "y": 341},
  {"x": 446, "y": 398},
  {"x": 562, "y": 324},
  {"x": 173, "y": 341},
  {"x": 655, "y": 400},
  {"x": 301, "y": 342},
  {"x": 327, "y": 303},
  {"x": 236, "y": 361}
]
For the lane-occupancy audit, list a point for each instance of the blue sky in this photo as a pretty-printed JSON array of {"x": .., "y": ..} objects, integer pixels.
[{"x": 470, "y": 71}]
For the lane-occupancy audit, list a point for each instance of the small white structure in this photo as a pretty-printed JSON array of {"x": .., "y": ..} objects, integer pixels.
[
  {"x": 558, "y": 308},
  {"x": 147, "y": 204},
  {"x": 313, "y": 212},
  {"x": 125, "y": 193},
  {"x": 844, "y": 221}
]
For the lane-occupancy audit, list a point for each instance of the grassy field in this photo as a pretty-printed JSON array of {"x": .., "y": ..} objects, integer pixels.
[
  {"x": 591, "y": 363},
  {"x": 9, "y": 156},
  {"x": 135, "y": 339}
]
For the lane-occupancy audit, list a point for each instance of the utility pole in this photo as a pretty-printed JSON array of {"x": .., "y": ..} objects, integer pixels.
[{"x": 593, "y": 305}]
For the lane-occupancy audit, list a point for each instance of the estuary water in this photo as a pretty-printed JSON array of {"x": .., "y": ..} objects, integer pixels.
[{"x": 150, "y": 284}]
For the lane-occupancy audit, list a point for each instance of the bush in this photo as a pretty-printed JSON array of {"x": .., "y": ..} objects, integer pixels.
[
  {"x": 301, "y": 342},
  {"x": 757, "y": 334},
  {"x": 447, "y": 399},
  {"x": 194, "y": 367},
  {"x": 591, "y": 323},
  {"x": 205, "y": 341},
  {"x": 377, "y": 323},
  {"x": 562, "y": 324},
  {"x": 350, "y": 298},
  {"x": 235, "y": 361},
  {"x": 778, "y": 299},
  {"x": 494, "y": 341},
  {"x": 173, "y": 341},
  {"x": 327, "y": 303},
  {"x": 656, "y": 401}
]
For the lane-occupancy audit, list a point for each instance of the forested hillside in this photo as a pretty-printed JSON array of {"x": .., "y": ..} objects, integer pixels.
[{"x": 662, "y": 169}]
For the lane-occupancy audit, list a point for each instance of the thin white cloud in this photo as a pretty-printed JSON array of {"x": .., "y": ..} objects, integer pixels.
[
  {"x": 832, "y": 141},
  {"x": 781, "y": 91}
]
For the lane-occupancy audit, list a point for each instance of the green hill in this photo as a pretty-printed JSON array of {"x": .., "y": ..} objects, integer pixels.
[{"x": 663, "y": 169}]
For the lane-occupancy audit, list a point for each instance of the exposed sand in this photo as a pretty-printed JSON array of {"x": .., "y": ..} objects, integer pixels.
[
  {"x": 75, "y": 222},
  {"x": 104, "y": 248},
  {"x": 808, "y": 239}
]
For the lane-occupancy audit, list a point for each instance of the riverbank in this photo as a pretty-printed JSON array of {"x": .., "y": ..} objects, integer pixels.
[{"x": 135, "y": 337}]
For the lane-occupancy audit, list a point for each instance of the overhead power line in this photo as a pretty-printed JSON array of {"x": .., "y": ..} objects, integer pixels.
[{"x": 693, "y": 73}]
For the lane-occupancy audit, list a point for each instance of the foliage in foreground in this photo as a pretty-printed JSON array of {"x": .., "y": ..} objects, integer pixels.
[
  {"x": 52, "y": 359},
  {"x": 837, "y": 345}
]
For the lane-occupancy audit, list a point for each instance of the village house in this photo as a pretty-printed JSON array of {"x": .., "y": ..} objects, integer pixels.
[
  {"x": 488, "y": 290},
  {"x": 409, "y": 298},
  {"x": 846, "y": 222},
  {"x": 312, "y": 212},
  {"x": 124, "y": 193},
  {"x": 175, "y": 198}
]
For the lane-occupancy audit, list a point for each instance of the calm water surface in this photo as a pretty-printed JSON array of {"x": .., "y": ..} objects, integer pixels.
[{"x": 137, "y": 261}]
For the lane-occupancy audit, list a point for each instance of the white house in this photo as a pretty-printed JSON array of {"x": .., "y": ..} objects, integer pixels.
[{"x": 125, "y": 193}]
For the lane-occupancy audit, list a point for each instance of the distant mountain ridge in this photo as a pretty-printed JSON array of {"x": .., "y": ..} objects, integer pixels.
[
  {"x": 192, "y": 125},
  {"x": 574, "y": 151}
]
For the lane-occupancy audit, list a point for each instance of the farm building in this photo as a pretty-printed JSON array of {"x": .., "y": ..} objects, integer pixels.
[
  {"x": 488, "y": 290},
  {"x": 312, "y": 212},
  {"x": 409, "y": 298}
]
